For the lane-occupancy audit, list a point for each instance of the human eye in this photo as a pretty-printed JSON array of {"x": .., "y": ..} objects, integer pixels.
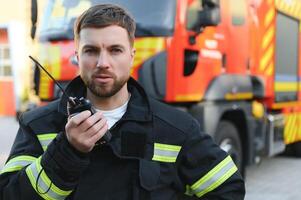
[
  {"x": 116, "y": 50},
  {"x": 90, "y": 51}
]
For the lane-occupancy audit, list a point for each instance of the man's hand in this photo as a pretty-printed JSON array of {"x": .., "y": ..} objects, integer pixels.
[{"x": 84, "y": 130}]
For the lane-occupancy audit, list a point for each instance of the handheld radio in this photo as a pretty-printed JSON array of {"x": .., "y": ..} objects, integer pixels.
[{"x": 76, "y": 105}]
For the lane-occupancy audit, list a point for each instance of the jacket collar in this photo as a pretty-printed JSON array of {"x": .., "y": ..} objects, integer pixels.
[{"x": 138, "y": 107}]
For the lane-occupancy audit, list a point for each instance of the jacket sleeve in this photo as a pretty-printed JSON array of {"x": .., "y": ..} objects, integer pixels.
[
  {"x": 32, "y": 173},
  {"x": 206, "y": 171}
]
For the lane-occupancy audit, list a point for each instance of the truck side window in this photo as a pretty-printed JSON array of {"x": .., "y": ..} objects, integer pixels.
[
  {"x": 238, "y": 12},
  {"x": 192, "y": 13}
]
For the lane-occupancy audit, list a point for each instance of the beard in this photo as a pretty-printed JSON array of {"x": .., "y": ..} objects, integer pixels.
[{"x": 105, "y": 90}]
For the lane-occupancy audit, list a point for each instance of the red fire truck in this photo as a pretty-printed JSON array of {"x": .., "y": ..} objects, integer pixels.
[{"x": 233, "y": 65}]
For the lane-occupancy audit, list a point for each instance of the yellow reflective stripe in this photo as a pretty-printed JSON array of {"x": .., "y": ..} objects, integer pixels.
[
  {"x": 238, "y": 96},
  {"x": 166, "y": 152},
  {"x": 164, "y": 158},
  {"x": 34, "y": 186},
  {"x": 46, "y": 179},
  {"x": 44, "y": 183},
  {"x": 47, "y": 136},
  {"x": 188, "y": 97},
  {"x": 219, "y": 182},
  {"x": 189, "y": 192},
  {"x": 167, "y": 147},
  {"x": 286, "y": 87},
  {"x": 214, "y": 178},
  {"x": 46, "y": 139},
  {"x": 17, "y": 163}
]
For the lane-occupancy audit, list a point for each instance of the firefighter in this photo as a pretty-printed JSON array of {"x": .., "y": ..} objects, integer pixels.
[{"x": 154, "y": 152}]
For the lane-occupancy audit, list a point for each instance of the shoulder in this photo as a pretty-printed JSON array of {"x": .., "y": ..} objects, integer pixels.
[
  {"x": 40, "y": 113},
  {"x": 173, "y": 117}
]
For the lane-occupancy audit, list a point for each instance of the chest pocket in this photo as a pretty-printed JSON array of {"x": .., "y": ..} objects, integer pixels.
[
  {"x": 156, "y": 180},
  {"x": 149, "y": 175}
]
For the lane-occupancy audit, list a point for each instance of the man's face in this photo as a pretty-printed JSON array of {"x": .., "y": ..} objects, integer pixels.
[{"x": 105, "y": 57}]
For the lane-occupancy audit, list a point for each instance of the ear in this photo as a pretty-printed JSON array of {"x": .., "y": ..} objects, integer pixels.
[
  {"x": 133, "y": 52},
  {"x": 76, "y": 55}
]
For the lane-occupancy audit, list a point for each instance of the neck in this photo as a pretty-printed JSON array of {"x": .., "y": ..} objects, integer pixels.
[{"x": 109, "y": 103}]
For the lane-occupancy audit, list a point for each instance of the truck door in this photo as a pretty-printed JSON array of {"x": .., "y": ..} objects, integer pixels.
[
  {"x": 236, "y": 56},
  {"x": 195, "y": 56}
]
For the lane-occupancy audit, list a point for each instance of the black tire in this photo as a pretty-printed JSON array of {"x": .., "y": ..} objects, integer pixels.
[
  {"x": 293, "y": 150},
  {"x": 297, "y": 149},
  {"x": 228, "y": 139}
]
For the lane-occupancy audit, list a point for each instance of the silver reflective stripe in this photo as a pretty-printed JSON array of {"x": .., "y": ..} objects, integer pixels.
[
  {"x": 213, "y": 178},
  {"x": 17, "y": 163},
  {"x": 42, "y": 183},
  {"x": 166, "y": 152},
  {"x": 46, "y": 139}
]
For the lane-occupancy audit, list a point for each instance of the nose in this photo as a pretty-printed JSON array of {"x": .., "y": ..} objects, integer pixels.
[{"x": 103, "y": 60}]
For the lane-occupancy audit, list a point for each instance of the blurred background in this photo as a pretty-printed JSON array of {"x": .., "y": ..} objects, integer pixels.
[
  {"x": 15, "y": 46},
  {"x": 232, "y": 64}
]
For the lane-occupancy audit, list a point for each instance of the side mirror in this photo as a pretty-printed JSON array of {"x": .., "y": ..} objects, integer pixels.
[
  {"x": 34, "y": 18},
  {"x": 210, "y": 3},
  {"x": 205, "y": 17},
  {"x": 209, "y": 17}
]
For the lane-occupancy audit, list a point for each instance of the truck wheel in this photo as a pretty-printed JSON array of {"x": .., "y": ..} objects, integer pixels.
[
  {"x": 297, "y": 149},
  {"x": 293, "y": 150},
  {"x": 228, "y": 139}
]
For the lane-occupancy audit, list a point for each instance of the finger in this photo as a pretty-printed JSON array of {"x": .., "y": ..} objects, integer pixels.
[
  {"x": 99, "y": 134},
  {"x": 76, "y": 120},
  {"x": 91, "y": 121},
  {"x": 96, "y": 127}
]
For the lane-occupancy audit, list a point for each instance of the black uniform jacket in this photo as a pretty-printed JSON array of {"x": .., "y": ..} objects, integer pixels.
[{"x": 156, "y": 153}]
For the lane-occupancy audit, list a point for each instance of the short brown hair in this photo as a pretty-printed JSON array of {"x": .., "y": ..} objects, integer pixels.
[{"x": 103, "y": 15}]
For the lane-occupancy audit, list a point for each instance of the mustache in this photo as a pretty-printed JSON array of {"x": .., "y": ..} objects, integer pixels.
[{"x": 103, "y": 73}]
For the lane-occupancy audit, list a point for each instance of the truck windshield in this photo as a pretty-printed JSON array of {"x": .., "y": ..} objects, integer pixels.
[{"x": 153, "y": 18}]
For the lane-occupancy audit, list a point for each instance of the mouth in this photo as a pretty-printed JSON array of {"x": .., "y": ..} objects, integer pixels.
[{"x": 102, "y": 78}]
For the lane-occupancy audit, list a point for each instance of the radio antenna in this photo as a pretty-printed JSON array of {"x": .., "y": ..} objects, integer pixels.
[{"x": 70, "y": 99}]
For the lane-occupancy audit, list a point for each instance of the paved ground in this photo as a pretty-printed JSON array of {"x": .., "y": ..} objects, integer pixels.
[
  {"x": 8, "y": 129},
  {"x": 277, "y": 178}
]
